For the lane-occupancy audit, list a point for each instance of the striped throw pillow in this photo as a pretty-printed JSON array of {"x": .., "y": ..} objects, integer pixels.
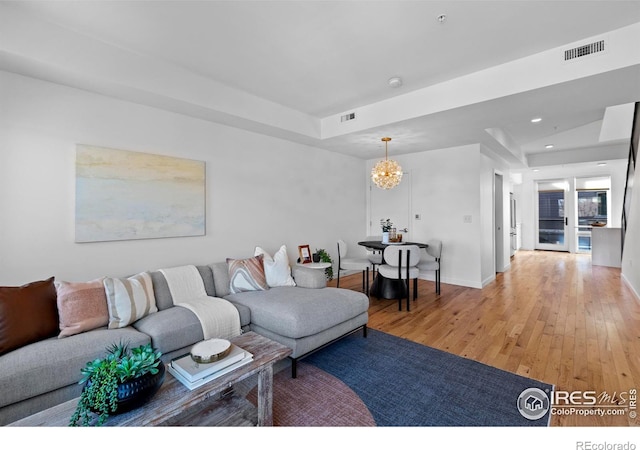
[
  {"x": 129, "y": 299},
  {"x": 247, "y": 274}
]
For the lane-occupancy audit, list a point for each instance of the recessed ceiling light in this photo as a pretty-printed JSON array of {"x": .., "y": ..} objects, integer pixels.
[
  {"x": 395, "y": 82},
  {"x": 548, "y": 146},
  {"x": 602, "y": 164},
  {"x": 536, "y": 120},
  {"x": 536, "y": 170}
]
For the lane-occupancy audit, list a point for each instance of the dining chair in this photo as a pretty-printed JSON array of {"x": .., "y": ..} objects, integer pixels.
[
  {"x": 345, "y": 263},
  {"x": 374, "y": 256},
  {"x": 434, "y": 250},
  {"x": 401, "y": 263}
]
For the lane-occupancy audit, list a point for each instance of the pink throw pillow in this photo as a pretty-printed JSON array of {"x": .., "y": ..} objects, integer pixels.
[{"x": 81, "y": 306}]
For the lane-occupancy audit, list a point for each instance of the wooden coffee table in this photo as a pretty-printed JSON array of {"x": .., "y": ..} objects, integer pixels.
[{"x": 173, "y": 400}]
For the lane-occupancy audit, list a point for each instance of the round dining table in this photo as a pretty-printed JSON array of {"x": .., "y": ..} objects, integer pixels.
[{"x": 383, "y": 287}]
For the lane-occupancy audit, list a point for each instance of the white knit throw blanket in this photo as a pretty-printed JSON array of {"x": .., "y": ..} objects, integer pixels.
[{"x": 218, "y": 317}]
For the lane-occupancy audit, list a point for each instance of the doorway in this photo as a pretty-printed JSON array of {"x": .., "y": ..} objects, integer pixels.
[
  {"x": 498, "y": 221},
  {"x": 552, "y": 219},
  {"x": 592, "y": 208}
]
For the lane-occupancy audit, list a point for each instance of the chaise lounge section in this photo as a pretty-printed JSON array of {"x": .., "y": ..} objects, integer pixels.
[{"x": 303, "y": 319}]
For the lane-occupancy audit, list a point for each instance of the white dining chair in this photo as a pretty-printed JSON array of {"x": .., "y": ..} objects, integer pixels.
[
  {"x": 346, "y": 263},
  {"x": 434, "y": 250},
  {"x": 401, "y": 263},
  {"x": 374, "y": 256}
]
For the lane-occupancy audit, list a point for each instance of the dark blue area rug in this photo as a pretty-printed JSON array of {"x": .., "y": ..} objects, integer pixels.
[{"x": 408, "y": 384}]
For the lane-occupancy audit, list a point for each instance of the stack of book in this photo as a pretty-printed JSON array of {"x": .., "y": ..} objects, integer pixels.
[{"x": 193, "y": 374}]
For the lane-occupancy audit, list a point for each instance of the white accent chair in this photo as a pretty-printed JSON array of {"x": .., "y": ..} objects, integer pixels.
[
  {"x": 401, "y": 263},
  {"x": 434, "y": 250},
  {"x": 345, "y": 263}
]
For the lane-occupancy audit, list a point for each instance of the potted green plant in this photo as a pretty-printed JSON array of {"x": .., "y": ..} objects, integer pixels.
[
  {"x": 125, "y": 378},
  {"x": 325, "y": 257}
]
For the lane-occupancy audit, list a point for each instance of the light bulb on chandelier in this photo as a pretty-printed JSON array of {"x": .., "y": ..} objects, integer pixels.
[{"x": 386, "y": 174}]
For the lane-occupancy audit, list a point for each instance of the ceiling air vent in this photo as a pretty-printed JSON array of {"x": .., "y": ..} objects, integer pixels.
[
  {"x": 584, "y": 50},
  {"x": 348, "y": 117}
]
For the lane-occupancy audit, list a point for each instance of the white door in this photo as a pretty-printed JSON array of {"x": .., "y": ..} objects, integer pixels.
[
  {"x": 552, "y": 215},
  {"x": 391, "y": 204}
]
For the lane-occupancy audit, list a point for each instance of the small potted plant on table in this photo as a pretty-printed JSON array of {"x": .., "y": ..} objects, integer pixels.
[
  {"x": 323, "y": 256},
  {"x": 122, "y": 380},
  {"x": 386, "y": 226}
]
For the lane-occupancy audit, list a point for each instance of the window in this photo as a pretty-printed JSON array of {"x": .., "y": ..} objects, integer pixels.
[{"x": 591, "y": 207}]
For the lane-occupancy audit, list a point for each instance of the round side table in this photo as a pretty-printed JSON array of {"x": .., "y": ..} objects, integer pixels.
[{"x": 318, "y": 265}]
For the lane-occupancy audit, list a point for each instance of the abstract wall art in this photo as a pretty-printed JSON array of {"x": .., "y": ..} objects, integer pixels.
[{"x": 122, "y": 195}]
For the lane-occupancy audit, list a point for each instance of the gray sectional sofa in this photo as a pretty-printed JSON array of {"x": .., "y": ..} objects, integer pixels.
[{"x": 304, "y": 318}]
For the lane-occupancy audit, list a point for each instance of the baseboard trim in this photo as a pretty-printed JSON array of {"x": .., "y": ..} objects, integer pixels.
[
  {"x": 443, "y": 280},
  {"x": 630, "y": 286},
  {"x": 488, "y": 280}
]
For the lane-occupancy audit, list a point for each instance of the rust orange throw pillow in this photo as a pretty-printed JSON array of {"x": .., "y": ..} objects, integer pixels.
[{"x": 28, "y": 314}]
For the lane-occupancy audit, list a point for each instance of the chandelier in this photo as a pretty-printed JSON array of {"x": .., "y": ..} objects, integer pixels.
[{"x": 388, "y": 173}]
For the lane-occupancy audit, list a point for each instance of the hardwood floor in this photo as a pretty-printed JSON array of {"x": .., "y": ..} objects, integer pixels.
[{"x": 552, "y": 316}]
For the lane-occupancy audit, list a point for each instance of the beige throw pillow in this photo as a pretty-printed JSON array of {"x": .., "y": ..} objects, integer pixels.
[{"x": 129, "y": 299}]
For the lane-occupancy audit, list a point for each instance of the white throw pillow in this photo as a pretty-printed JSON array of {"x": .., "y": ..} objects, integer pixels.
[{"x": 277, "y": 268}]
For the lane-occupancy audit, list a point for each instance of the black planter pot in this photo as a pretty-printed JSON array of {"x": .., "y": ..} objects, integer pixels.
[{"x": 136, "y": 392}]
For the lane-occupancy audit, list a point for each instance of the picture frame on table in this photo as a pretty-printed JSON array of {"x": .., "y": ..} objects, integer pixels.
[{"x": 305, "y": 254}]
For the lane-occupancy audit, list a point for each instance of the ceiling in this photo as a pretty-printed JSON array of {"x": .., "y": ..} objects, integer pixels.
[{"x": 320, "y": 59}]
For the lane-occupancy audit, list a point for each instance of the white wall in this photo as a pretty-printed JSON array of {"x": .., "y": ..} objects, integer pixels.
[
  {"x": 260, "y": 190},
  {"x": 447, "y": 185},
  {"x": 616, "y": 169},
  {"x": 487, "y": 235},
  {"x": 631, "y": 252},
  {"x": 445, "y": 188}
]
